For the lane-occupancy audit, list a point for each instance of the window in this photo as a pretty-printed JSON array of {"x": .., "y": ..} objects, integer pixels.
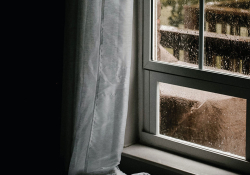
[{"x": 195, "y": 79}]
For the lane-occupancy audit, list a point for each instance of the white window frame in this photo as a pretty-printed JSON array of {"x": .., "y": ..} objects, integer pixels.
[{"x": 152, "y": 72}]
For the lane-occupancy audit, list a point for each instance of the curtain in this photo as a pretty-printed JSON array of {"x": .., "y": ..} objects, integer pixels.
[{"x": 98, "y": 40}]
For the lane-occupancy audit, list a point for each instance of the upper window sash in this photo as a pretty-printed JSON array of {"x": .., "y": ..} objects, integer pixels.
[{"x": 164, "y": 67}]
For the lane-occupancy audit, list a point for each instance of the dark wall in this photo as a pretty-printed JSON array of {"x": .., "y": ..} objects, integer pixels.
[
  {"x": 56, "y": 44},
  {"x": 58, "y": 55},
  {"x": 45, "y": 39}
]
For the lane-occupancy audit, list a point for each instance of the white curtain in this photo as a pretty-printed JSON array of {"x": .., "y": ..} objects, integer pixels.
[{"x": 98, "y": 40}]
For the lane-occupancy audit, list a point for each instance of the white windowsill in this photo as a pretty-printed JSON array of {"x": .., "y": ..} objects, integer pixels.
[{"x": 171, "y": 161}]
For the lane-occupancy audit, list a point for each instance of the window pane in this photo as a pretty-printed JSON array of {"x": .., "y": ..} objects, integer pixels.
[
  {"x": 227, "y": 36},
  {"x": 176, "y": 31},
  {"x": 208, "y": 119}
]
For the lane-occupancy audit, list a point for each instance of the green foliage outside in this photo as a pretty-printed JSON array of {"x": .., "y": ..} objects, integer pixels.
[{"x": 176, "y": 17}]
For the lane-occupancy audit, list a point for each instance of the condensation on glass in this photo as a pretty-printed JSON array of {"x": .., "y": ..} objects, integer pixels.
[
  {"x": 226, "y": 36},
  {"x": 205, "y": 118},
  {"x": 177, "y": 36}
]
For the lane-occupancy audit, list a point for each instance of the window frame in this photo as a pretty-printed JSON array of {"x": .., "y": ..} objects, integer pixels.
[{"x": 152, "y": 72}]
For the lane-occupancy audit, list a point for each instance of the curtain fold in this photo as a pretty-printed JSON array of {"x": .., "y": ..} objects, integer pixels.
[{"x": 96, "y": 83}]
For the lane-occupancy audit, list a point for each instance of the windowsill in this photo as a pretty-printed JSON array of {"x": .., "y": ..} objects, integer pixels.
[{"x": 170, "y": 161}]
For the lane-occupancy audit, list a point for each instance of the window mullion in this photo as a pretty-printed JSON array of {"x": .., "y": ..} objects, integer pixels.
[{"x": 201, "y": 35}]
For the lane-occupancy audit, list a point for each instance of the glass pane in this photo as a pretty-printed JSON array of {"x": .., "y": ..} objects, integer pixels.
[
  {"x": 227, "y": 36},
  {"x": 208, "y": 119},
  {"x": 176, "y": 31}
]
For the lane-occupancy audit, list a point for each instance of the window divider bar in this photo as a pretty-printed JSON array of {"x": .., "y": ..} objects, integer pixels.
[{"x": 201, "y": 35}]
